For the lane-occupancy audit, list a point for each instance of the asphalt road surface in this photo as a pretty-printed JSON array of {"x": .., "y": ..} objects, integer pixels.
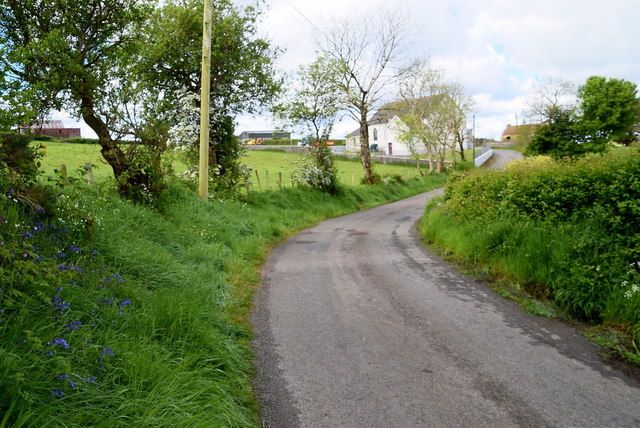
[{"x": 358, "y": 325}]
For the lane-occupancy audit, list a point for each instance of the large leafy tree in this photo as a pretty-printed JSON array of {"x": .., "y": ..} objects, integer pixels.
[
  {"x": 606, "y": 110},
  {"x": 561, "y": 136},
  {"x": 75, "y": 55},
  {"x": 243, "y": 76},
  {"x": 609, "y": 109}
]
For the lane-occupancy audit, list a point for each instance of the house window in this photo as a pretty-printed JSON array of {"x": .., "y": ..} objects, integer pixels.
[{"x": 375, "y": 134}]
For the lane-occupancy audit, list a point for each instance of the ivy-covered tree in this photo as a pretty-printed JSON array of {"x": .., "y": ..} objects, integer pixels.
[
  {"x": 243, "y": 76},
  {"x": 75, "y": 55}
]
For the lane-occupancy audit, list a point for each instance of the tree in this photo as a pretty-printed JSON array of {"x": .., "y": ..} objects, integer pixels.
[
  {"x": 561, "y": 136},
  {"x": 436, "y": 110},
  {"x": 462, "y": 106},
  {"x": 610, "y": 109},
  {"x": 365, "y": 55},
  {"x": 243, "y": 77},
  {"x": 548, "y": 96},
  {"x": 607, "y": 111},
  {"x": 313, "y": 104},
  {"x": 73, "y": 56},
  {"x": 312, "y": 107}
]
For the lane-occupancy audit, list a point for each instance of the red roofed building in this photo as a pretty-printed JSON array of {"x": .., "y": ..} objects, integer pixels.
[
  {"x": 511, "y": 133},
  {"x": 52, "y": 128}
]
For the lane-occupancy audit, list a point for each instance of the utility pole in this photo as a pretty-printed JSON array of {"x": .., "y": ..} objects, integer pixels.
[{"x": 203, "y": 182}]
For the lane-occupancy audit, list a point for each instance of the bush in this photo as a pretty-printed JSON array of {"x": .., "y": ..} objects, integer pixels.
[
  {"x": 574, "y": 226},
  {"x": 317, "y": 169}
]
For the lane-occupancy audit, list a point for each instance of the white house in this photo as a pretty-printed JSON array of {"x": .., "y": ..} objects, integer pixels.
[{"x": 385, "y": 127}]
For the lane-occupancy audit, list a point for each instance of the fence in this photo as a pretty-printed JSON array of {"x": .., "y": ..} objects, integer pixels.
[
  {"x": 257, "y": 181},
  {"x": 264, "y": 180},
  {"x": 480, "y": 156},
  {"x": 63, "y": 174}
]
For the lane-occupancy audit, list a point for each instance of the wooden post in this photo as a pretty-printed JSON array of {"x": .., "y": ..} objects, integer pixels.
[
  {"x": 205, "y": 82},
  {"x": 280, "y": 180},
  {"x": 89, "y": 167},
  {"x": 258, "y": 178},
  {"x": 63, "y": 174},
  {"x": 353, "y": 180},
  {"x": 247, "y": 184},
  {"x": 266, "y": 179}
]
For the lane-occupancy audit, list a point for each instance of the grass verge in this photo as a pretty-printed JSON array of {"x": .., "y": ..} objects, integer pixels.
[
  {"x": 119, "y": 315},
  {"x": 560, "y": 238}
]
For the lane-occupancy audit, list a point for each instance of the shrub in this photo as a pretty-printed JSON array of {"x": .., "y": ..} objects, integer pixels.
[
  {"x": 574, "y": 225},
  {"x": 316, "y": 169}
]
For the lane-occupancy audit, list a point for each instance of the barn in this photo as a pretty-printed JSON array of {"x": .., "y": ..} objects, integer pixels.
[{"x": 52, "y": 128}]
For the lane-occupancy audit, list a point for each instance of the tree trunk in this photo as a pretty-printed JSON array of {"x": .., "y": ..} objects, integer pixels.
[
  {"x": 133, "y": 183},
  {"x": 460, "y": 139},
  {"x": 365, "y": 152},
  {"x": 114, "y": 156}
]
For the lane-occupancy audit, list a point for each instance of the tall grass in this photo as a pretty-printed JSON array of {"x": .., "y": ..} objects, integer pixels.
[
  {"x": 564, "y": 232},
  {"x": 120, "y": 315}
]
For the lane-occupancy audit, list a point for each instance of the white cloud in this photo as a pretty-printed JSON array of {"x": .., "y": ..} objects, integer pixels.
[{"x": 495, "y": 48}]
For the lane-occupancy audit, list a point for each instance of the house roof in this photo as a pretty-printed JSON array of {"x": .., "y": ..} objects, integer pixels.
[
  {"x": 397, "y": 108},
  {"x": 355, "y": 133},
  {"x": 48, "y": 124},
  {"x": 520, "y": 129}
]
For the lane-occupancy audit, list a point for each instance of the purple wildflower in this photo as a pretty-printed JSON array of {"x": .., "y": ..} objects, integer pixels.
[
  {"x": 62, "y": 376},
  {"x": 106, "y": 351},
  {"x": 71, "y": 383},
  {"x": 74, "y": 325},
  {"x": 125, "y": 302},
  {"x": 58, "y": 304},
  {"x": 91, "y": 379},
  {"x": 59, "y": 341},
  {"x": 74, "y": 249},
  {"x": 57, "y": 393}
]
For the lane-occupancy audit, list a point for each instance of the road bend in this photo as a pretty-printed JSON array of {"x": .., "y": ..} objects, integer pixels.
[{"x": 358, "y": 325}]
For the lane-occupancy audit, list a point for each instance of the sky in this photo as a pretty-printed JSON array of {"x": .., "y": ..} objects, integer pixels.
[{"x": 497, "y": 49}]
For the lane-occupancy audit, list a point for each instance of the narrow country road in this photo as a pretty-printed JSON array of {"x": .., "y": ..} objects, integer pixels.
[{"x": 357, "y": 325}]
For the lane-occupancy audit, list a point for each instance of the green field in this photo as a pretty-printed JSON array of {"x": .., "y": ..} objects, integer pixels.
[{"x": 269, "y": 164}]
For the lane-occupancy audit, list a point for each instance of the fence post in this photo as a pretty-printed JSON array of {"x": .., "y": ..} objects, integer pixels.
[
  {"x": 280, "y": 181},
  {"x": 89, "y": 167},
  {"x": 64, "y": 174},
  {"x": 247, "y": 185},
  {"x": 267, "y": 179},
  {"x": 258, "y": 178}
]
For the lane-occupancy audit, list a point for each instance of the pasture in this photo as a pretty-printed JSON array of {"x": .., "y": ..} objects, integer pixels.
[{"x": 273, "y": 167}]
